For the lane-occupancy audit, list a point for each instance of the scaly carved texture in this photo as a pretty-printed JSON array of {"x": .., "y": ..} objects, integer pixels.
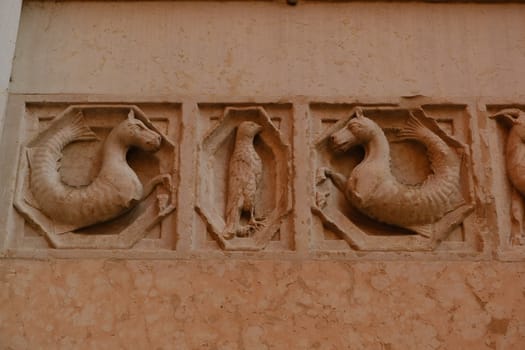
[
  {"x": 116, "y": 188},
  {"x": 260, "y": 304},
  {"x": 373, "y": 189}
]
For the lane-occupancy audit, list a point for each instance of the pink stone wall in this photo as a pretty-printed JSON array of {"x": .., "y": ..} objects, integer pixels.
[{"x": 258, "y": 304}]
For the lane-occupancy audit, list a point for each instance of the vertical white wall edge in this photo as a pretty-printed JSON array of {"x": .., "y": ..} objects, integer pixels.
[{"x": 9, "y": 20}]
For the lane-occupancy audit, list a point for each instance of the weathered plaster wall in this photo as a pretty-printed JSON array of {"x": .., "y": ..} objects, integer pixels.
[
  {"x": 271, "y": 49},
  {"x": 209, "y": 51}
]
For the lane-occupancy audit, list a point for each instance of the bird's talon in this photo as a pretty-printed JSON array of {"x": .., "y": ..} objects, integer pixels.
[{"x": 257, "y": 223}]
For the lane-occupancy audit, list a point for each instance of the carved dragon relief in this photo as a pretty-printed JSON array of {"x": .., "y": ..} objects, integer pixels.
[
  {"x": 114, "y": 191},
  {"x": 430, "y": 209},
  {"x": 514, "y": 119}
]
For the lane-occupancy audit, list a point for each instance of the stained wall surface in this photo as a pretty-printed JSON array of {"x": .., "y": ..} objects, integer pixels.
[{"x": 320, "y": 275}]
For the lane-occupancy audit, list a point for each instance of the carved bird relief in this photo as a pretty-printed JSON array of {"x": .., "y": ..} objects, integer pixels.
[
  {"x": 374, "y": 191},
  {"x": 245, "y": 173},
  {"x": 115, "y": 190}
]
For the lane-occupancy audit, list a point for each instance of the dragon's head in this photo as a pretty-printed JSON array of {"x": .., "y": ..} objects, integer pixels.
[
  {"x": 133, "y": 132},
  {"x": 358, "y": 131}
]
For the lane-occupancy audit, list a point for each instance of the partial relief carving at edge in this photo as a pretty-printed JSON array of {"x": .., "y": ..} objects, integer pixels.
[{"x": 514, "y": 119}]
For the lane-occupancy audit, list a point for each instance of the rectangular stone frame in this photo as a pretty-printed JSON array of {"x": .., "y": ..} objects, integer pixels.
[{"x": 301, "y": 229}]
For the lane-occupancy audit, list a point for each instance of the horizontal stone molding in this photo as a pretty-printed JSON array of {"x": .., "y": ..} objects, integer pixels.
[{"x": 295, "y": 2}]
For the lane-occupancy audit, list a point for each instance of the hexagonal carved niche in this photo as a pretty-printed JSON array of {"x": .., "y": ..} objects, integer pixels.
[
  {"x": 96, "y": 175},
  {"x": 244, "y": 190},
  {"x": 389, "y": 178}
]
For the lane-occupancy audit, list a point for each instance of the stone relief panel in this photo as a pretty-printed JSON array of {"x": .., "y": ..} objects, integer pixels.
[
  {"x": 405, "y": 178},
  {"x": 506, "y": 127},
  {"x": 98, "y": 176},
  {"x": 393, "y": 178},
  {"x": 244, "y": 177}
]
